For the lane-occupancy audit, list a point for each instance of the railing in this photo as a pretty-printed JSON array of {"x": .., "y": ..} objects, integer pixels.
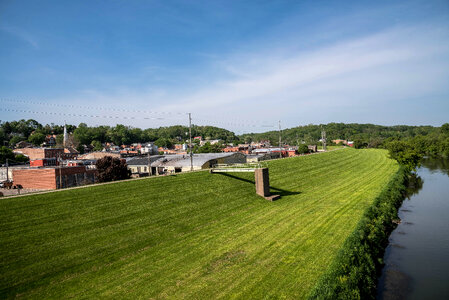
[{"x": 247, "y": 167}]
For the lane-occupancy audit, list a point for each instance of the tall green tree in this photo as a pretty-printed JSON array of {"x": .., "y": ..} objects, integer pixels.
[
  {"x": 97, "y": 145},
  {"x": 404, "y": 154},
  {"x": 37, "y": 138},
  {"x": 82, "y": 134},
  {"x": 5, "y": 153},
  {"x": 445, "y": 129}
]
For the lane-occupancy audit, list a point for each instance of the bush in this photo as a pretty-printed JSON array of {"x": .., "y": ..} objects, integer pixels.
[
  {"x": 112, "y": 169},
  {"x": 303, "y": 149},
  {"x": 359, "y": 144}
]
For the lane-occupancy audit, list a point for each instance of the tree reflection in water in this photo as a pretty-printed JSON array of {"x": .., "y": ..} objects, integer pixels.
[
  {"x": 436, "y": 164},
  {"x": 415, "y": 184}
]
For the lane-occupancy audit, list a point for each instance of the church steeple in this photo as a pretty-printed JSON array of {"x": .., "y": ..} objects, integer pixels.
[{"x": 65, "y": 135}]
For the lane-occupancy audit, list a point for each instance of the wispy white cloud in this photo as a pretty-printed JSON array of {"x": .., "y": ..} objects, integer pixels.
[
  {"x": 364, "y": 76},
  {"x": 21, "y": 35},
  {"x": 348, "y": 72}
]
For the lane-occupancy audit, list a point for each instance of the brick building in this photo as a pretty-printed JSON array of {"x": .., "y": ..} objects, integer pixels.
[
  {"x": 54, "y": 178},
  {"x": 41, "y": 153},
  {"x": 241, "y": 148},
  {"x": 44, "y": 162}
]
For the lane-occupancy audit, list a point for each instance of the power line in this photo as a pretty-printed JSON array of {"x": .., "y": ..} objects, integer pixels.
[
  {"x": 98, "y": 116},
  {"x": 78, "y": 115},
  {"x": 166, "y": 115},
  {"x": 90, "y": 107},
  {"x": 242, "y": 124},
  {"x": 233, "y": 122}
]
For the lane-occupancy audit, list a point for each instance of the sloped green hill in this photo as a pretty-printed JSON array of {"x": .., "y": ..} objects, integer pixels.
[{"x": 196, "y": 235}]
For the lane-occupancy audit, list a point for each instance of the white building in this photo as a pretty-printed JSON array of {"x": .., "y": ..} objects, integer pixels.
[
  {"x": 149, "y": 147},
  {"x": 162, "y": 164}
]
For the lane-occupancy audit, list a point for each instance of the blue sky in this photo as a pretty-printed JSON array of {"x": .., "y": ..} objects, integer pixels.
[{"x": 241, "y": 65}]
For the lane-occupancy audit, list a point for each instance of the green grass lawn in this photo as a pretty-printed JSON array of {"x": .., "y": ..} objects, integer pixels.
[
  {"x": 328, "y": 148},
  {"x": 197, "y": 235}
]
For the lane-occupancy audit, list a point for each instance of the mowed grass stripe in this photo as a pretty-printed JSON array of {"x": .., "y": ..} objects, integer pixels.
[
  {"x": 271, "y": 225},
  {"x": 196, "y": 235},
  {"x": 282, "y": 250}
]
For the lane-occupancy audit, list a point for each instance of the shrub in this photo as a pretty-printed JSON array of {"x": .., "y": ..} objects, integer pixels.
[
  {"x": 112, "y": 169},
  {"x": 303, "y": 149}
]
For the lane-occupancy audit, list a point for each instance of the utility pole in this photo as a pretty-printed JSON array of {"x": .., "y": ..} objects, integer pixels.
[
  {"x": 149, "y": 161},
  {"x": 60, "y": 171},
  {"x": 297, "y": 141},
  {"x": 323, "y": 138},
  {"x": 7, "y": 171},
  {"x": 190, "y": 142},
  {"x": 280, "y": 140}
]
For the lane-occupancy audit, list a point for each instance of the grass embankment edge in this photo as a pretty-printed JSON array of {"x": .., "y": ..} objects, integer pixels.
[{"x": 354, "y": 272}]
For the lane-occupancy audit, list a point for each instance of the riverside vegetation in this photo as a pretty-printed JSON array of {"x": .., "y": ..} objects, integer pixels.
[{"x": 202, "y": 235}]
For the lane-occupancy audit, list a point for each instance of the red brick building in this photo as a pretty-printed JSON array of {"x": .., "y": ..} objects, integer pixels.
[
  {"x": 54, "y": 178},
  {"x": 41, "y": 153},
  {"x": 231, "y": 149},
  {"x": 45, "y": 162},
  {"x": 290, "y": 153},
  {"x": 242, "y": 149}
]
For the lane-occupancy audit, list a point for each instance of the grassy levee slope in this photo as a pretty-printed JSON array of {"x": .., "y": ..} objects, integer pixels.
[{"x": 195, "y": 235}]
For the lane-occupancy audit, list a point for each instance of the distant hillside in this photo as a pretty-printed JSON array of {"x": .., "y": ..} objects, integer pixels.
[{"x": 368, "y": 133}]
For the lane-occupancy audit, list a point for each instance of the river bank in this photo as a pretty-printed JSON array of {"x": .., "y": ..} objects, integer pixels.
[{"x": 416, "y": 259}]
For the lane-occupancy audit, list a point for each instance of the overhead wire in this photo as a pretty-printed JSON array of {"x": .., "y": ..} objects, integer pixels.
[
  {"x": 233, "y": 122},
  {"x": 89, "y": 107},
  {"x": 78, "y": 115}
]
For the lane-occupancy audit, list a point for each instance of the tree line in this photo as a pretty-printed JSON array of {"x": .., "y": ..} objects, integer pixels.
[
  {"x": 368, "y": 135},
  {"x": 33, "y": 132},
  {"x": 407, "y": 144}
]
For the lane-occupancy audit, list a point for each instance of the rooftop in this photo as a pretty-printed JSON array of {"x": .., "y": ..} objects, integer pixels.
[
  {"x": 184, "y": 160},
  {"x": 142, "y": 160}
]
